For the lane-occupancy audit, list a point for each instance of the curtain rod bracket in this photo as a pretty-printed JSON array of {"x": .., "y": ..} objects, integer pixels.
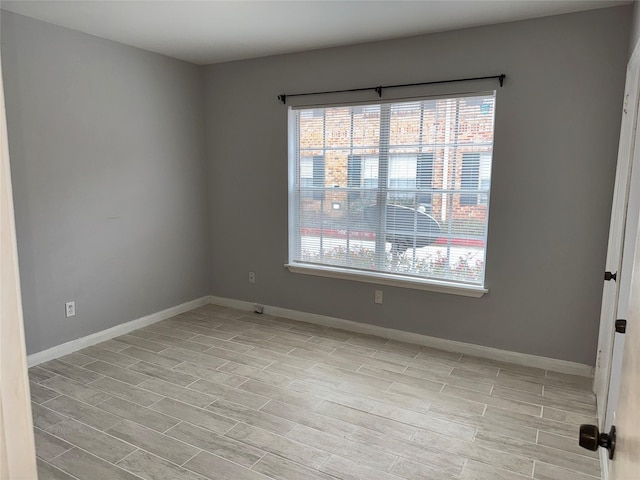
[
  {"x": 379, "y": 91},
  {"x": 501, "y": 79},
  {"x": 283, "y": 98}
]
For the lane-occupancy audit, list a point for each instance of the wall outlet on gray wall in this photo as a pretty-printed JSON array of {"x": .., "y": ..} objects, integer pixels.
[
  {"x": 377, "y": 298},
  {"x": 252, "y": 277},
  {"x": 70, "y": 309}
]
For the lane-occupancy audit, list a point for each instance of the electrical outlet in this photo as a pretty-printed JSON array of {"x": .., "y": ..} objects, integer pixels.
[
  {"x": 258, "y": 308},
  {"x": 252, "y": 277},
  {"x": 70, "y": 309},
  {"x": 377, "y": 298}
]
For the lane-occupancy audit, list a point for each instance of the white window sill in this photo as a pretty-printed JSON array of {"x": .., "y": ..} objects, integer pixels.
[{"x": 389, "y": 279}]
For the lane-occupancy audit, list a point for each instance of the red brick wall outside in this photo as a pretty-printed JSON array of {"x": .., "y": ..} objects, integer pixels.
[{"x": 438, "y": 135}]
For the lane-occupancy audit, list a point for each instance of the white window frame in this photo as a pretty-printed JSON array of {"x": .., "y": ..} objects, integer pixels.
[{"x": 379, "y": 278}]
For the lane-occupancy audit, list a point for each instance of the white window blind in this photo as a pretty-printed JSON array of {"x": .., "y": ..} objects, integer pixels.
[{"x": 393, "y": 188}]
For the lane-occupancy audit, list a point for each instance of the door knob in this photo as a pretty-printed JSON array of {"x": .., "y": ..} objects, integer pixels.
[
  {"x": 591, "y": 439},
  {"x": 610, "y": 276}
]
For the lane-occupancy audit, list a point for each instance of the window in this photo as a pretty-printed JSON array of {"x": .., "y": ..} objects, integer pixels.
[
  {"x": 470, "y": 177},
  {"x": 362, "y": 171},
  {"x": 393, "y": 192},
  {"x": 476, "y": 177},
  {"x": 312, "y": 175},
  {"x": 424, "y": 178}
]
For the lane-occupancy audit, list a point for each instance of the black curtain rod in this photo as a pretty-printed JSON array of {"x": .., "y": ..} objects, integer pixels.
[{"x": 378, "y": 90}]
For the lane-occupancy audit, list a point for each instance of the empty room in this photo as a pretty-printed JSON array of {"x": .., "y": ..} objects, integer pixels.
[{"x": 320, "y": 240}]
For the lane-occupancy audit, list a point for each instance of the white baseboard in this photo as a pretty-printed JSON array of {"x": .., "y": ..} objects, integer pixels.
[
  {"x": 553, "y": 364},
  {"x": 525, "y": 359},
  {"x": 80, "y": 343}
]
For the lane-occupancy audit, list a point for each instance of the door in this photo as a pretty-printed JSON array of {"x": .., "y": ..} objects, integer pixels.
[
  {"x": 626, "y": 413},
  {"x": 620, "y": 403},
  {"x": 628, "y": 283},
  {"x": 17, "y": 452},
  {"x": 617, "y": 239}
]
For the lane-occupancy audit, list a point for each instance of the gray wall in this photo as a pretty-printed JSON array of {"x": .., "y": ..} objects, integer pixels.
[
  {"x": 557, "y": 127},
  {"x": 109, "y": 179},
  {"x": 635, "y": 27}
]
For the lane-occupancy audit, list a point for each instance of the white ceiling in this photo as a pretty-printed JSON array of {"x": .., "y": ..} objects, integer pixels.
[{"x": 206, "y": 32}]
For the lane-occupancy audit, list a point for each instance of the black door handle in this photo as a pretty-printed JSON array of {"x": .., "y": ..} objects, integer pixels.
[
  {"x": 610, "y": 276},
  {"x": 591, "y": 439}
]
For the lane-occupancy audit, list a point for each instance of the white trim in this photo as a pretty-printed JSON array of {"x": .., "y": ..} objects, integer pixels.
[
  {"x": 80, "y": 343},
  {"x": 604, "y": 463},
  {"x": 528, "y": 360},
  {"x": 389, "y": 279}
]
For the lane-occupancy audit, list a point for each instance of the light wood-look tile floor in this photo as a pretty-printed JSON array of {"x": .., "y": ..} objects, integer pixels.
[{"x": 217, "y": 393}]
